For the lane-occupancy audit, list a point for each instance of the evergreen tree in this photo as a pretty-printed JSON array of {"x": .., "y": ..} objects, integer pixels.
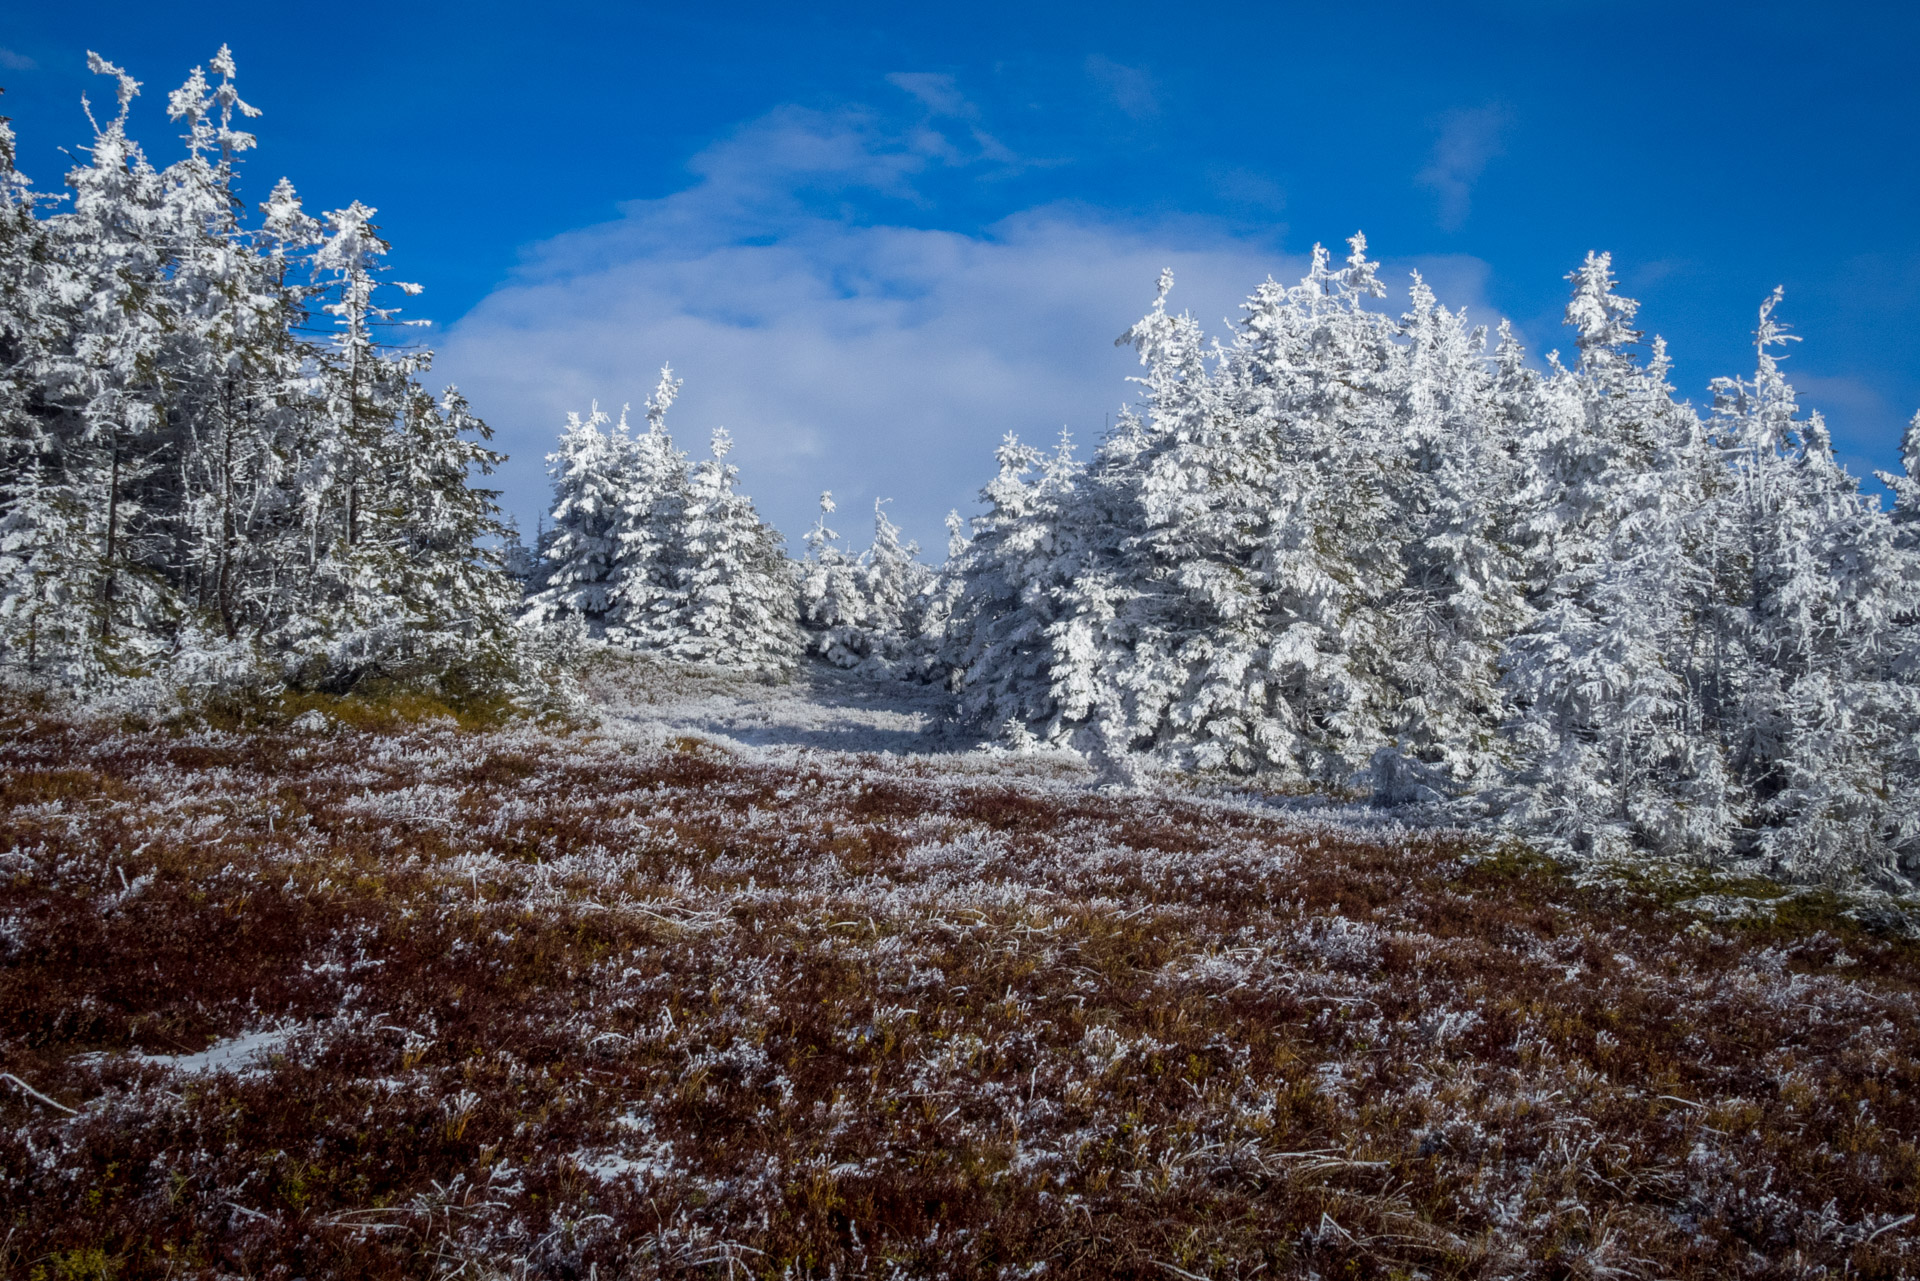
[
  {"x": 741, "y": 609},
  {"x": 997, "y": 652},
  {"x": 46, "y": 560},
  {"x": 830, "y": 601},
  {"x": 230, "y": 372},
  {"x": 926, "y": 659},
  {"x": 590, "y": 472},
  {"x": 649, "y": 596},
  {"x": 452, "y": 585},
  {"x": 893, "y": 584},
  {"x": 1460, "y": 594},
  {"x": 185, "y": 469},
  {"x": 1818, "y": 719},
  {"x": 105, "y": 382},
  {"x": 1606, "y": 730}
]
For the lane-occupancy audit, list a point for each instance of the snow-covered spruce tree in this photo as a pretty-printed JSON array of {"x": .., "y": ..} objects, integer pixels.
[
  {"x": 997, "y": 654},
  {"x": 1900, "y": 654},
  {"x": 1610, "y": 752},
  {"x": 1161, "y": 630},
  {"x": 610, "y": 558},
  {"x": 522, "y": 563},
  {"x": 894, "y": 584},
  {"x": 1819, "y": 706},
  {"x": 649, "y": 601},
  {"x": 741, "y": 610},
  {"x": 863, "y": 612},
  {"x": 830, "y": 601},
  {"x": 1208, "y": 588},
  {"x": 46, "y": 554},
  {"x": 934, "y": 610},
  {"x": 1460, "y": 595},
  {"x": 591, "y": 473},
  {"x": 349, "y": 624},
  {"x": 232, "y": 371},
  {"x": 186, "y": 471},
  {"x": 457, "y": 600},
  {"x": 105, "y": 388}
]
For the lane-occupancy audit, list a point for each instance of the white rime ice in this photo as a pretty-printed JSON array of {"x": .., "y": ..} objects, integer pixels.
[
  {"x": 651, "y": 553},
  {"x": 1360, "y": 552},
  {"x": 217, "y": 463},
  {"x": 738, "y": 589},
  {"x": 864, "y": 612}
]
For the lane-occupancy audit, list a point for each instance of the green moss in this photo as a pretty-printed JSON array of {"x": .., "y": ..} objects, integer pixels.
[{"x": 90, "y": 1264}]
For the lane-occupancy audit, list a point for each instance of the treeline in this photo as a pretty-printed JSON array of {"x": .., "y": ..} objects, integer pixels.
[
  {"x": 1364, "y": 552},
  {"x": 1346, "y": 549},
  {"x": 1361, "y": 551},
  {"x": 216, "y": 461},
  {"x": 660, "y": 554},
  {"x": 654, "y": 552}
]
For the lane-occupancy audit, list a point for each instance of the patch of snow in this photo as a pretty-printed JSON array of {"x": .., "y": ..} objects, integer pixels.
[
  {"x": 820, "y": 707},
  {"x": 238, "y": 1055}
]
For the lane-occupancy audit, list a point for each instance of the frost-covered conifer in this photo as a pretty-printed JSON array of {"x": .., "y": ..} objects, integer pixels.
[
  {"x": 935, "y": 608},
  {"x": 46, "y": 555},
  {"x": 231, "y": 370},
  {"x": 740, "y": 609},
  {"x": 1817, "y": 717},
  {"x": 650, "y": 595},
  {"x": 451, "y": 584},
  {"x": 1202, "y": 586},
  {"x": 185, "y": 466},
  {"x": 997, "y": 650},
  {"x": 521, "y": 562},
  {"x": 1459, "y": 595},
  {"x": 831, "y": 604},
  {"x": 893, "y": 583},
  {"x": 106, "y": 378},
  {"x": 1607, "y": 753},
  {"x": 590, "y": 471},
  {"x": 864, "y": 612},
  {"x": 1347, "y": 549}
]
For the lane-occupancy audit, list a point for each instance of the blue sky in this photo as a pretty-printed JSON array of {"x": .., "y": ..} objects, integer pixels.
[{"x": 875, "y": 238}]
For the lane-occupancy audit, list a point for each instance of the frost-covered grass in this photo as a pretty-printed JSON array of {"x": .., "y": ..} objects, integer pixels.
[{"x": 433, "y": 1002}]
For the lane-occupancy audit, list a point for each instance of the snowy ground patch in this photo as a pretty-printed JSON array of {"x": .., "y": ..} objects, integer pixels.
[{"x": 247, "y": 1052}]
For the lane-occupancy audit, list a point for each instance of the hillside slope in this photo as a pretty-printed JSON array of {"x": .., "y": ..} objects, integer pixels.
[{"x": 439, "y": 1003}]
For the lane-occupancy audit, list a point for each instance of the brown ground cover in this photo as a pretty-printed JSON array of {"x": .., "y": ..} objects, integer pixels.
[{"x": 524, "y": 1005}]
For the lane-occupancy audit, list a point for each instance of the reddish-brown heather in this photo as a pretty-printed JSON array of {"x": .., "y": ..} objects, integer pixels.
[{"x": 552, "y": 1007}]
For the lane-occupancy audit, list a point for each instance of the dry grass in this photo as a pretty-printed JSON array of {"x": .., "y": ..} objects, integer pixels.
[{"x": 553, "y": 1008}]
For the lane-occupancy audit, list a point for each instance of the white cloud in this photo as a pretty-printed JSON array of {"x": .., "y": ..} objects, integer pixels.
[
  {"x": 871, "y": 359},
  {"x": 1838, "y": 394},
  {"x": 1469, "y": 139},
  {"x": 17, "y": 61},
  {"x": 939, "y": 93},
  {"x": 1129, "y": 88}
]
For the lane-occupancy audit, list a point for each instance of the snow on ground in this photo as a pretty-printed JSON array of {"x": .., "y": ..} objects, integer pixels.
[
  {"x": 826, "y": 711},
  {"x": 243, "y": 1053},
  {"x": 818, "y": 709}
]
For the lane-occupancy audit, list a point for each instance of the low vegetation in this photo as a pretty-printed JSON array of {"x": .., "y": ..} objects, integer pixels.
[{"x": 430, "y": 1001}]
